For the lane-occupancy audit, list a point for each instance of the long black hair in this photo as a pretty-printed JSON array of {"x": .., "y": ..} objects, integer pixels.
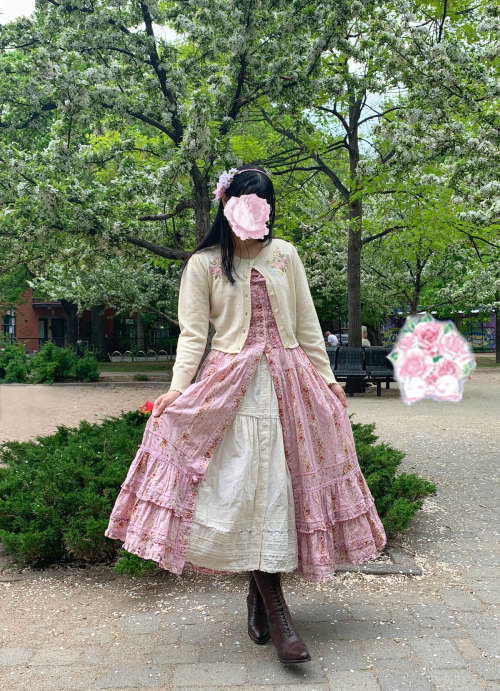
[{"x": 247, "y": 182}]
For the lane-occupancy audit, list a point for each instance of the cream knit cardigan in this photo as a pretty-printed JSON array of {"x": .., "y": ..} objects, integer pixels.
[{"x": 205, "y": 295}]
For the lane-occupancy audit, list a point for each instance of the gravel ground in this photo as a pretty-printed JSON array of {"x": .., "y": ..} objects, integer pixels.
[{"x": 92, "y": 629}]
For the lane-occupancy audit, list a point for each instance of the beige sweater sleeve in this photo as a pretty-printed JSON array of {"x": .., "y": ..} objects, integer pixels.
[
  {"x": 193, "y": 314},
  {"x": 308, "y": 329}
]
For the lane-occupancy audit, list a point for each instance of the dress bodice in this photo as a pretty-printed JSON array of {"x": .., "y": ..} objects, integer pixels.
[{"x": 263, "y": 328}]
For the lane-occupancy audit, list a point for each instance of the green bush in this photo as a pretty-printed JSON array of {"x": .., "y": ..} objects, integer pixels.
[
  {"x": 397, "y": 498},
  {"x": 132, "y": 565},
  {"x": 86, "y": 367},
  {"x": 57, "y": 492},
  {"x": 13, "y": 363},
  {"x": 52, "y": 364}
]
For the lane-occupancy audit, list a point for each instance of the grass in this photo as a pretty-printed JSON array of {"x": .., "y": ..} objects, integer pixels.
[
  {"x": 483, "y": 363},
  {"x": 162, "y": 366}
]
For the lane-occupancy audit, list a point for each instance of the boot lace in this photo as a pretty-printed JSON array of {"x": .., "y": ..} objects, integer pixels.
[{"x": 280, "y": 608}]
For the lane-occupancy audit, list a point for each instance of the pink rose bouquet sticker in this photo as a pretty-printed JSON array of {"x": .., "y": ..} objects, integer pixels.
[
  {"x": 248, "y": 215},
  {"x": 431, "y": 360}
]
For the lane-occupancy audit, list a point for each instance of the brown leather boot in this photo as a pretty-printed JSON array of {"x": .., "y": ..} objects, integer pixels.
[
  {"x": 289, "y": 645},
  {"x": 258, "y": 628}
]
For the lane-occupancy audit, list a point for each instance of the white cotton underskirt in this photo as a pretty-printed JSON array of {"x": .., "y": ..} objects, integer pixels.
[{"x": 244, "y": 518}]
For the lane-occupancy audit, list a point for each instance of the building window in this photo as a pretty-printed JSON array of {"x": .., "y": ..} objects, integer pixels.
[{"x": 9, "y": 326}]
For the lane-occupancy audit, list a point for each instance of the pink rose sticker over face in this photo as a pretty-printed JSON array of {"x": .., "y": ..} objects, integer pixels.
[
  {"x": 431, "y": 360},
  {"x": 248, "y": 215}
]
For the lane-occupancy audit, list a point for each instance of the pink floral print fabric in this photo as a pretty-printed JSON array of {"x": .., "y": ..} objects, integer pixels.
[
  {"x": 335, "y": 514},
  {"x": 431, "y": 360}
]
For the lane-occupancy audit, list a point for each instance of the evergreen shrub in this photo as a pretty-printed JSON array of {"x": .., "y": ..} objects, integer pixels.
[{"x": 57, "y": 491}]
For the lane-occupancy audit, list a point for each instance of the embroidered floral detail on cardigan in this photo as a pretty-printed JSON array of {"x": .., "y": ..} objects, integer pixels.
[
  {"x": 215, "y": 267},
  {"x": 279, "y": 261}
]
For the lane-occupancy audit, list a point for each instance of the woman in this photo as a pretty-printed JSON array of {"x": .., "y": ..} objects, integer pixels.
[{"x": 252, "y": 467}]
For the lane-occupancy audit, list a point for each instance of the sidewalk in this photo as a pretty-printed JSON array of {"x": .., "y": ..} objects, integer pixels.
[{"x": 93, "y": 629}]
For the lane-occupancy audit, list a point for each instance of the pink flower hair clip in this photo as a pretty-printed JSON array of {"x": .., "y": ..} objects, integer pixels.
[{"x": 224, "y": 181}]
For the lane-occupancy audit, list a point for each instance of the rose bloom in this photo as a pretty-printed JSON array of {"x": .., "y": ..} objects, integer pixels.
[
  {"x": 431, "y": 380},
  {"x": 447, "y": 367},
  {"x": 455, "y": 347},
  {"x": 247, "y": 216},
  {"x": 413, "y": 363},
  {"x": 448, "y": 388},
  {"x": 428, "y": 335},
  {"x": 406, "y": 342},
  {"x": 414, "y": 389}
]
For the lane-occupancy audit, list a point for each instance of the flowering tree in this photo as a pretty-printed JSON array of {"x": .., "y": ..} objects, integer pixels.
[
  {"x": 117, "y": 118},
  {"x": 406, "y": 85},
  {"x": 133, "y": 126}
]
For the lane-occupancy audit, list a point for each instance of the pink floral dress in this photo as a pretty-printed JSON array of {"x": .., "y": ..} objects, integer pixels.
[{"x": 316, "y": 498}]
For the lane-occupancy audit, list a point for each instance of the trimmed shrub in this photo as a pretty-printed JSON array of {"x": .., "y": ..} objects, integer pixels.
[
  {"x": 13, "y": 364},
  {"x": 132, "y": 565},
  {"x": 52, "y": 364},
  {"x": 57, "y": 492},
  {"x": 86, "y": 367},
  {"x": 397, "y": 498}
]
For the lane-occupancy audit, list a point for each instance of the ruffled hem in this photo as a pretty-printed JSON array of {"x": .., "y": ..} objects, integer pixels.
[
  {"x": 343, "y": 498},
  {"x": 151, "y": 531},
  {"x": 346, "y": 543}
]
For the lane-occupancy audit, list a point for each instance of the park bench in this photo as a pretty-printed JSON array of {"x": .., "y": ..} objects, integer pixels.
[
  {"x": 332, "y": 355},
  {"x": 379, "y": 368},
  {"x": 361, "y": 366},
  {"x": 349, "y": 367}
]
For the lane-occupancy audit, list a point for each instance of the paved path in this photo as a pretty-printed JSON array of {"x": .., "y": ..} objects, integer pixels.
[{"x": 93, "y": 629}]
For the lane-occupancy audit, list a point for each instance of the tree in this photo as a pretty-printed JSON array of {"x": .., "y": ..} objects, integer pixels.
[
  {"x": 129, "y": 123},
  {"x": 438, "y": 63}
]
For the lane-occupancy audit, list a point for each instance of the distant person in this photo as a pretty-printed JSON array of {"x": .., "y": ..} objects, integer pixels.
[
  {"x": 331, "y": 339},
  {"x": 364, "y": 337}
]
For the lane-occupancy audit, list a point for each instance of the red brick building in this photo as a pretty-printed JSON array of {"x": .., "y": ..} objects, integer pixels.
[{"x": 35, "y": 321}]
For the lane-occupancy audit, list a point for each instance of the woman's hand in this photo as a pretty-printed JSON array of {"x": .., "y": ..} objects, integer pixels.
[
  {"x": 339, "y": 392},
  {"x": 164, "y": 400}
]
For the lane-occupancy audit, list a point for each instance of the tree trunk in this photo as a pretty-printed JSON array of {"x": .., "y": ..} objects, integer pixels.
[
  {"x": 140, "y": 331},
  {"x": 202, "y": 204},
  {"x": 99, "y": 332},
  {"x": 354, "y": 274},
  {"x": 497, "y": 329},
  {"x": 71, "y": 312},
  {"x": 355, "y": 227}
]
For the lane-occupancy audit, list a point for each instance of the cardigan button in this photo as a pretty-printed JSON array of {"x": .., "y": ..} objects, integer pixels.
[{"x": 195, "y": 479}]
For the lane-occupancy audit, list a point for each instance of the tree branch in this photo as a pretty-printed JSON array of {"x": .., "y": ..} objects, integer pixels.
[
  {"x": 162, "y": 78},
  {"x": 160, "y": 250},
  {"x": 184, "y": 204},
  {"x": 370, "y": 238},
  {"x": 443, "y": 19}
]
